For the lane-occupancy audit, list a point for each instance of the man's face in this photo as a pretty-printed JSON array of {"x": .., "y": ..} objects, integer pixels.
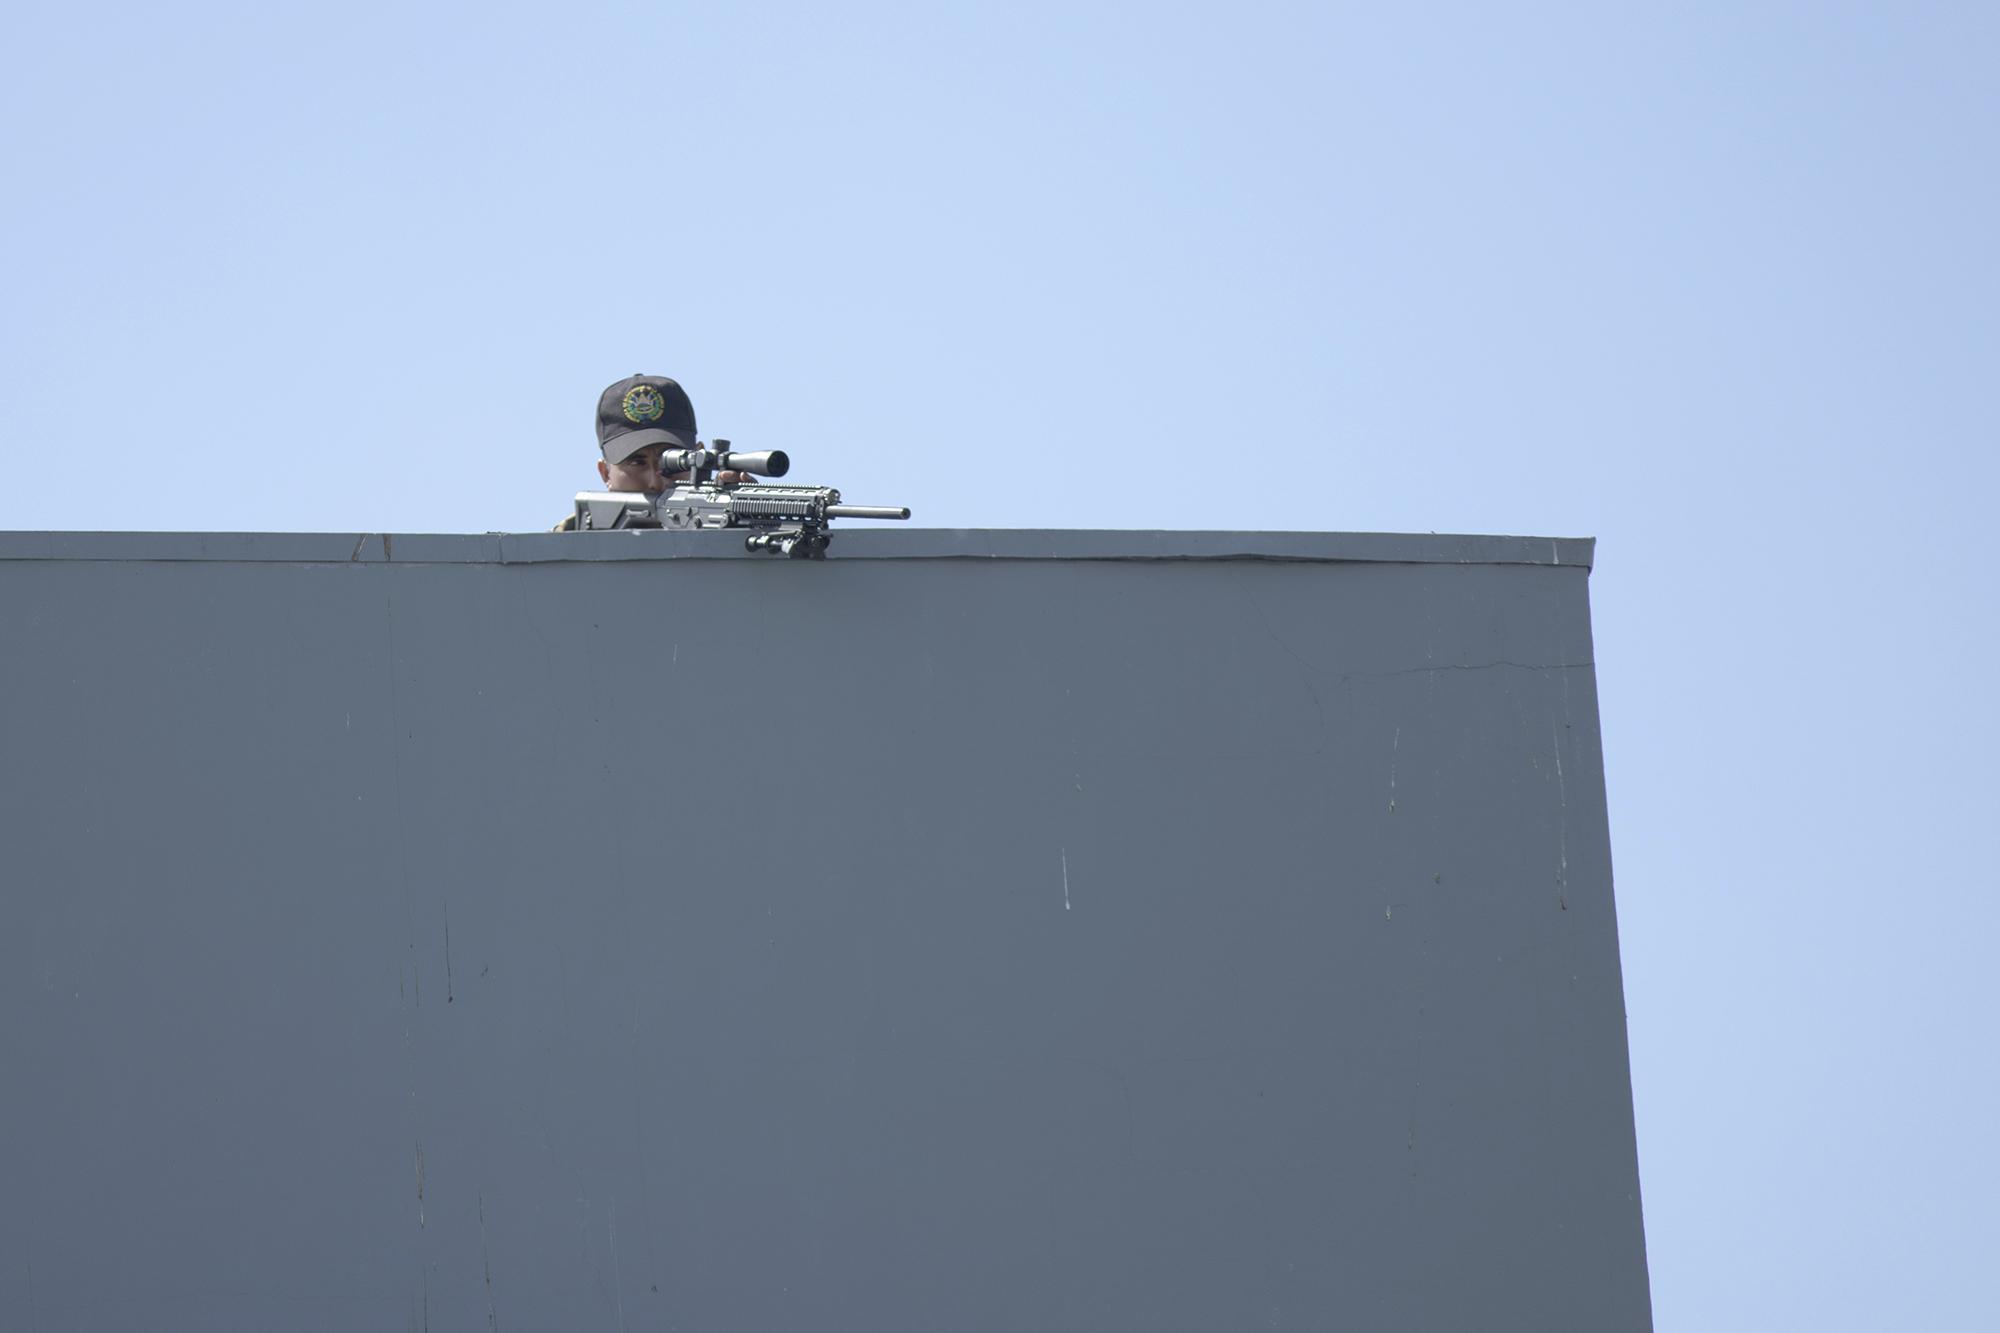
[{"x": 640, "y": 472}]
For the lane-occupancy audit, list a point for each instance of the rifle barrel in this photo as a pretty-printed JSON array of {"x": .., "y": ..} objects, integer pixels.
[{"x": 865, "y": 511}]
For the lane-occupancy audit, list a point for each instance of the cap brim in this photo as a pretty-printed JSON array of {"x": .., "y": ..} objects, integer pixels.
[{"x": 621, "y": 447}]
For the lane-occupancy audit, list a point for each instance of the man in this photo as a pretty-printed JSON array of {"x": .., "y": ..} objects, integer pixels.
[{"x": 638, "y": 419}]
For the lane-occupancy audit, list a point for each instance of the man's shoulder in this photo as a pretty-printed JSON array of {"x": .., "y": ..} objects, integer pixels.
[{"x": 567, "y": 525}]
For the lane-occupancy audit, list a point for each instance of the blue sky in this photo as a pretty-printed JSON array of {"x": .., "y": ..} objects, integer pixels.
[{"x": 1716, "y": 284}]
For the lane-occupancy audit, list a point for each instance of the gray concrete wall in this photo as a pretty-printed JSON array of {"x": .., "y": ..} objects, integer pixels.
[{"x": 970, "y": 931}]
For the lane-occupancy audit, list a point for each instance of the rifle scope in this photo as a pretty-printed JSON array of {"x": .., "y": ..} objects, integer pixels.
[{"x": 770, "y": 463}]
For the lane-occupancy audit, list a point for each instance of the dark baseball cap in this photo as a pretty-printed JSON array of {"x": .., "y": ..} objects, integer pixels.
[{"x": 641, "y": 410}]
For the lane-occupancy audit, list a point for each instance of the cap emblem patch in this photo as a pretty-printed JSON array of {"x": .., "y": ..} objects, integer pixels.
[{"x": 643, "y": 404}]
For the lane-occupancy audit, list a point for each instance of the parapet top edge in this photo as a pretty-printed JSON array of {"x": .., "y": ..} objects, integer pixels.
[{"x": 849, "y": 543}]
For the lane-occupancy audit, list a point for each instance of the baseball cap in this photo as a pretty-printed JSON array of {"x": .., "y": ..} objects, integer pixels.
[{"x": 641, "y": 410}]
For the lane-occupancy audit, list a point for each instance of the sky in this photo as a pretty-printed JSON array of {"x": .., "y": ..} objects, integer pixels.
[{"x": 1713, "y": 283}]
